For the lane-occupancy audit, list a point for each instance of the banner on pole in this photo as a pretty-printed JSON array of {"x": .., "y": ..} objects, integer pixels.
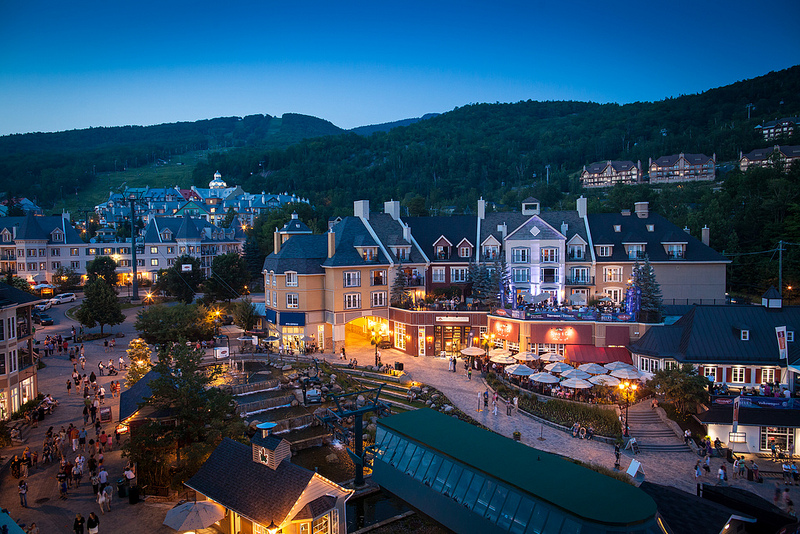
[{"x": 783, "y": 351}]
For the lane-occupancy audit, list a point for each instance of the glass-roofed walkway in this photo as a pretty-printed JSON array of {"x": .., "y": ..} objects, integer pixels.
[{"x": 473, "y": 480}]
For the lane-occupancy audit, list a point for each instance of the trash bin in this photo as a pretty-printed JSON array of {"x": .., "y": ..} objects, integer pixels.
[
  {"x": 398, "y": 366},
  {"x": 749, "y": 474},
  {"x": 133, "y": 495},
  {"x": 122, "y": 489}
]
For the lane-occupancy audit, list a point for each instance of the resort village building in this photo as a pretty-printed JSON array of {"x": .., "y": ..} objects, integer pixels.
[{"x": 18, "y": 381}]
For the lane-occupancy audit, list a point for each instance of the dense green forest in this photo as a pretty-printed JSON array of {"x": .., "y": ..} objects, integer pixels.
[
  {"x": 42, "y": 166},
  {"x": 500, "y": 152}
]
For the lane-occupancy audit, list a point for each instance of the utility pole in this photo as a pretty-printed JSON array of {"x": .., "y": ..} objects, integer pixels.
[
  {"x": 780, "y": 268},
  {"x": 547, "y": 167},
  {"x": 134, "y": 281},
  {"x": 749, "y": 107}
]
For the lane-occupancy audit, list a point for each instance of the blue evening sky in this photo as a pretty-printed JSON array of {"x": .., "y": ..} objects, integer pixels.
[{"x": 66, "y": 65}]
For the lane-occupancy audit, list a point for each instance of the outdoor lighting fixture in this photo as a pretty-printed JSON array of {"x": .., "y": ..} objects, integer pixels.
[
  {"x": 627, "y": 387},
  {"x": 273, "y": 528}
]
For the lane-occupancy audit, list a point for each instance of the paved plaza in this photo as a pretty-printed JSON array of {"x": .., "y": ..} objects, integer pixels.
[{"x": 54, "y": 515}]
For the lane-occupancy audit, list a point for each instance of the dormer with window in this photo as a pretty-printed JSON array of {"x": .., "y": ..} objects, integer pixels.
[
  {"x": 742, "y": 331},
  {"x": 402, "y": 253},
  {"x": 576, "y": 248},
  {"x": 465, "y": 249},
  {"x": 604, "y": 251},
  {"x": 57, "y": 236},
  {"x": 166, "y": 234},
  {"x": 675, "y": 250},
  {"x": 368, "y": 253},
  {"x": 635, "y": 251},
  {"x": 490, "y": 249},
  {"x": 441, "y": 248},
  {"x": 6, "y": 235},
  {"x": 617, "y": 228}
]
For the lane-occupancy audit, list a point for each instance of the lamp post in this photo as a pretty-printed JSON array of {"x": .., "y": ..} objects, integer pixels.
[
  {"x": 216, "y": 321},
  {"x": 628, "y": 389},
  {"x": 376, "y": 337}
]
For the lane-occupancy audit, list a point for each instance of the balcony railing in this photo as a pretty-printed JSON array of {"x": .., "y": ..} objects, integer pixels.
[
  {"x": 636, "y": 255},
  {"x": 549, "y": 279},
  {"x": 576, "y": 256},
  {"x": 379, "y": 281},
  {"x": 675, "y": 254},
  {"x": 490, "y": 256},
  {"x": 415, "y": 281},
  {"x": 580, "y": 280},
  {"x": 442, "y": 255}
]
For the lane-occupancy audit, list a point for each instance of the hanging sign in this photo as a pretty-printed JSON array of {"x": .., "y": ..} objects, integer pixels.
[{"x": 780, "y": 332}]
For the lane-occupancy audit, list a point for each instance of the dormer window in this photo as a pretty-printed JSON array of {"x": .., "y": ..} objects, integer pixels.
[
  {"x": 491, "y": 252},
  {"x": 576, "y": 252},
  {"x": 369, "y": 254},
  {"x": 618, "y": 228},
  {"x": 6, "y": 236},
  {"x": 442, "y": 252},
  {"x": 651, "y": 227},
  {"x": 464, "y": 252},
  {"x": 744, "y": 335},
  {"x": 635, "y": 251},
  {"x": 790, "y": 336},
  {"x": 675, "y": 251},
  {"x": 604, "y": 251}
]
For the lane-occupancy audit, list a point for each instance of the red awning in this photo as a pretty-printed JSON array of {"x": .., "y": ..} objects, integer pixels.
[{"x": 578, "y": 354}]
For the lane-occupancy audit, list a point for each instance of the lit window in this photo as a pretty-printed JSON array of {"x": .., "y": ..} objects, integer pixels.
[
  {"x": 154, "y": 261},
  {"x": 549, "y": 255},
  {"x": 153, "y": 250},
  {"x": 292, "y": 300},
  {"x": 745, "y": 335},
  {"x": 291, "y": 279},
  {"x": 737, "y": 375},
  {"x": 767, "y": 376},
  {"x": 710, "y": 372},
  {"x": 464, "y": 252},
  {"x": 790, "y": 336},
  {"x": 352, "y": 301}
]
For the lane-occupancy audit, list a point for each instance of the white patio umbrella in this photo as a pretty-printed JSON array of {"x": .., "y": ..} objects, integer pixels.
[
  {"x": 544, "y": 378},
  {"x": 576, "y": 383},
  {"x": 499, "y": 352},
  {"x": 558, "y": 367},
  {"x": 613, "y": 366},
  {"x": 473, "y": 351},
  {"x": 577, "y": 298},
  {"x": 526, "y": 356},
  {"x": 627, "y": 374},
  {"x": 194, "y": 515},
  {"x": 502, "y": 359},
  {"x": 575, "y": 373},
  {"x": 604, "y": 380},
  {"x": 593, "y": 368},
  {"x": 519, "y": 370},
  {"x": 551, "y": 357}
]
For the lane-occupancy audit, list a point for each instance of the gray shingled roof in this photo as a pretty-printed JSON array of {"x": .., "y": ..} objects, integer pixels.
[
  {"x": 752, "y": 416},
  {"x": 692, "y": 159},
  {"x": 350, "y": 233},
  {"x": 390, "y": 233},
  {"x": 523, "y": 232},
  {"x": 231, "y": 478},
  {"x": 634, "y": 229},
  {"x": 711, "y": 334},
  {"x": 302, "y": 254},
  {"x": 427, "y": 230},
  {"x": 11, "y": 296},
  {"x": 494, "y": 219},
  {"x": 599, "y": 166},
  {"x": 761, "y": 154},
  {"x": 30, "y": 226},
  {"x": 130, "y": 399}
]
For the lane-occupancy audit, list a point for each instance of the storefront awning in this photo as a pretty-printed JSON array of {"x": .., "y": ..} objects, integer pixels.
[{"x": 578, "y": 354}]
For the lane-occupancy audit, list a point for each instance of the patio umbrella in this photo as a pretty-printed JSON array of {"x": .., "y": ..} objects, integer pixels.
[
  {"x": 541, "y": 297},
  {"x": 473, "y": 351},
  {"x": 604, "y": 380},
  {"x": 505, "y": 360},
  {"x": 627, "y": 374},
  {"x": 519, "y": 370},
  {"x": 271, "y": 338},
  {"x": 499, "y": 352},
  {"x": 575, "y": 373},
  {"x": 558, "y": 367},
  {"x": 593, "y": 368},
  {"x": 544, "y": 378},
  {"x": 577, "y": 298},
  {"x": 605, "y": 299},
  {"x": 194, "y": 515},
  {"x": 613, "y": 366},
  {"x": 551, "y": 357},
  {"x": 526, "y": 356},
  {"x": 576, "y": 383}
]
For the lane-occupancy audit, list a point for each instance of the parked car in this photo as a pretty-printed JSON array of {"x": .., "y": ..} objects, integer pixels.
[
  {"x": 42, "y": 319},
  {"x": 226, "y": 319},
  {"x": 62, "y": 298},
  {"x": 43, "y": 306}
]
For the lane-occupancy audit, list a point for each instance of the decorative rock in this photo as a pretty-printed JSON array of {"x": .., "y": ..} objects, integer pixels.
[
  {"x": 295, "y": 403},
  {"x": 286, "y": 368},
  {"x": 447, "y": 408},
  {"x": 332, "y": 458},
  {"x": 415, "y": 389},
  {"x": 372, "y": 427},
  {"x": 293, "y": 376},
  {"x": 428, "y": 402},
  {"x": 426, "y": 390},
  {"x": 435, "y": 396},
  {"x": 366, "y": 437}
]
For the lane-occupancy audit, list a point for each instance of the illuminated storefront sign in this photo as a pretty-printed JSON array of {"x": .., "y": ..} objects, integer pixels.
[{"x": 507, "y": 331}]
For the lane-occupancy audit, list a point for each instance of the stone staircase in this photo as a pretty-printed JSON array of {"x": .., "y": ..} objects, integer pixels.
[{"x": 652, "y": 434}]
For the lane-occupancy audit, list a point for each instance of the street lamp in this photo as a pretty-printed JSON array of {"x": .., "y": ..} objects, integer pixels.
[
  {"x": 376, "y": 338},
  {"x": 216, "y": 321},
  {"x": 628, "y": 389}
]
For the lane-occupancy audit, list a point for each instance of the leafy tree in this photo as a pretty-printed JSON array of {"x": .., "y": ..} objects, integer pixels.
[
  {"x": 229, "y": 276},
  {"x": 162, "y": 324},
  {"x": 203, "y": 415},
  {"x": 179, "y": 283},
  {"x": 18, "y": 283},
  {"x": 416, "y": 206},
  {"x": 100, "y": 306},
  {"x": 398, "y": 293},
  {"x": 682, "y": 386},
  {"x": 244, "y": 314},
  {"x": 644, "y": 277},
  {"x": 102, "y": 267},
  {"x": 230, "y": 215},
  {"x": 254, "y": 258},
  {"x": 65, "y": 279},
  {"x": 139, "y": 354}
]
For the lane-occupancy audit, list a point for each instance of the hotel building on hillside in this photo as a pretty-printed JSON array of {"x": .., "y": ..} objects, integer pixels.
[
  {"x": 611, "y": 173},
  {"x": 682, "y": 168}
]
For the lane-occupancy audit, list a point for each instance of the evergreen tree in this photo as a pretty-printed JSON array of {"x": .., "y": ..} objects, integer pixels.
[
  {"x": 229, "y": 275},
  {"x": 651, "y": 308},
  {"x": 398, "y": 295},
  {"x": 179, "y": 283},
  {"x": 254, "y": 258},
  {"x": 482, "y": 285},
  {"x": 99, "y": 306},
  {"x": 244, "y": 314},
  {"x": 501, "y": 280},
  {"x": 139, "y": 354}
]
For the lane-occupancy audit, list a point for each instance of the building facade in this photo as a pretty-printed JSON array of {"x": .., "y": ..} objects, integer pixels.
[
  {"x": 18, "y": 379},
  {"x": 611, "y": 173},
  {"x": 779, "y": 156},
  {"x": 778, "y": 129},
  {"x": 683, "y": 168}
]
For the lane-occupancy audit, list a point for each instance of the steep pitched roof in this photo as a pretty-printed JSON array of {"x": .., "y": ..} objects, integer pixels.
[
  {"x": 427, "y": 230},
  {"x": 303, "y": 254},
  {"x": 619, "y": 166},
  {"x": 11, "y": 296},
  {"x": 691, "y": 159},
  {"x": 634, "y": 229},
  {"x": 351, "y": 233},
  {"x": 535, "y": 228},
  {"x": 231, "y": 478},
  {"x": 390, "y": 233},
  {"x": 711, "y": 334}
]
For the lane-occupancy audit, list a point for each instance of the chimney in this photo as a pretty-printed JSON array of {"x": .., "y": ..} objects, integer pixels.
[
  {"x": 706, "y": 235},
  {"x": 642, "y": 209},
  {"x": 331, "y": 244},
  {"x": 392, "y": 208},
  {"x": 649, "y": 162},
  {"x": 481, "y": 208},
  {"x": 407, "y": 233},
  {"x": 361, "y": 209},
  {"x": 625, "y": 213},
  {"x": 686, "y": 229},
  {"x": 503, "y": 229},
  {"x": 564, "y": 228},
  {"x": 582, "y": 206},
  {"x": 276, "y": 241}
]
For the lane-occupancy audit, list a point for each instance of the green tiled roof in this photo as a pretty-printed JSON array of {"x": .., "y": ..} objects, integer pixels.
[{"x": 580, "y": 491}]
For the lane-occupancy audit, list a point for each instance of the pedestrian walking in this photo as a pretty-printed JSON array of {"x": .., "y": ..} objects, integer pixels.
[
  {"x": 697, "y": 471},
  {"x": 100, "y": 367},
  {"x": 103, "y": 477},
  {"x": 109, "y": 491},
  {"x": 469, "y": 374},
  {"x": 101, "y": 500},
  {"x": 494, "y": 406},
  {"x": 78, "y": 525},
  {"x": 722, "y": 475},
  {"x": 93, "y": 524},
  {"x": 69, "y": 386},
  {"x": 23, "y": 493},
  {"x": 707, "y": 464}
]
